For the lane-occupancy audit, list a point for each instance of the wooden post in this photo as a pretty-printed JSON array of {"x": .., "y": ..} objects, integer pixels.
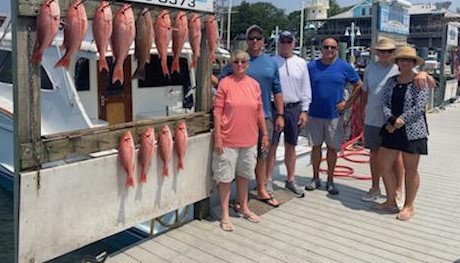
[
  {"x": 203, "y": 75},
  {"x": 26, "y": 90}
]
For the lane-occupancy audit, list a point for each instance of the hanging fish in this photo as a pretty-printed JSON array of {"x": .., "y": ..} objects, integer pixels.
[
  {"x": 76, "y": 25},
  {"x": 126, "y": 156},
  {"x": 102, "y": 31},
  {"x": 165, "y": 139},
  {"x": 47, "y": 27},
  {"x": 194, "y": 37},
  {"x": 162, "y": 38},
  {"x": 146, "y": 152},
  {"x": 143, "y": 42},
  {"x": 211, "y": 36},
  {"x": 122, "y": 38},
  {"x": 180, "y": 143},
  {"x": 179, "y": 36}
]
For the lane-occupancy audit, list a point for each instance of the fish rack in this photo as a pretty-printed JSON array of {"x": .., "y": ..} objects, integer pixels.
[{"x": 49, "y": 221}]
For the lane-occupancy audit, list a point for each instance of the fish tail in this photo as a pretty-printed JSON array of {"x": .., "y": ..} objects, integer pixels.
[
  {"x": 63, "y": 62},
  {"x": 139, "y": 73},
  {"x": 180, "y": 164},
  {"x": 37, "y": 57},
  {"x": 175, "y": 67},
  {"x": 118, "y": 75},
  {"x": 129, "y": 181},
  {"x": 194, "y": 61},
  {"x": 143, "y": 178},
  {"x": 102, "y": 64},
  {"x": 164, "y": 67},
  {"x": 212, "y": 57},
  {"x": 165, "y": 170}
]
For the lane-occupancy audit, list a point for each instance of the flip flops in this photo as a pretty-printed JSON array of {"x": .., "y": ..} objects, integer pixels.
[
  {"x": 382, "y": 208},
  {"x": 251, "y": 217},
  {"x": 226, "y": 225},
  {"x": 270, "y": 201},
  {"x": 405, "y": 215}
]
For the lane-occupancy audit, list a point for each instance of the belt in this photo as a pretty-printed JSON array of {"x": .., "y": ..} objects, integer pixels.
[{"x": 291, "y": 104}]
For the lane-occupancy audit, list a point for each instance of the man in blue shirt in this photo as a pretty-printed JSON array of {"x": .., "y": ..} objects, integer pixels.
[
  {"x": 328, "y": 77},
  {"x": 263, "y": 69}
]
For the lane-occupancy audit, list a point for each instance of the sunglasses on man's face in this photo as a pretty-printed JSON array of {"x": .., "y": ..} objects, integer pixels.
[
  {"x": 330, "y": 47},
  {"x": 255, "y": 38},
  {"x": 286, "y": 41},
  {"x": 386, "y": 51}
]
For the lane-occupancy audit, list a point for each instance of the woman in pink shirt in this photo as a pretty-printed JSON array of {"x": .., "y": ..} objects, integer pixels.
[{"x": 238, "y": 116}]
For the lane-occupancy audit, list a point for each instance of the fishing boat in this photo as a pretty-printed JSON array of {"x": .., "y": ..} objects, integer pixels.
[{"x": 81, "y": 99}]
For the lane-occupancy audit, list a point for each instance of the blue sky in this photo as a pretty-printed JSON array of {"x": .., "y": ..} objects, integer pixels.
[{"x": 292, "y": 5}]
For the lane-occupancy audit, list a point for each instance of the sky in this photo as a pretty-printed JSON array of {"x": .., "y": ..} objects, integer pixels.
[{"x": 293, "y": 5}]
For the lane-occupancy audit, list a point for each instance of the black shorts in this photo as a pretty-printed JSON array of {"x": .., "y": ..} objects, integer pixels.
[{"x": 398, "y": 141}]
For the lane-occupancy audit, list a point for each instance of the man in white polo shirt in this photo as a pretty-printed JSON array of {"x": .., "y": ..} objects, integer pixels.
[{"x": 296, "y": 89}]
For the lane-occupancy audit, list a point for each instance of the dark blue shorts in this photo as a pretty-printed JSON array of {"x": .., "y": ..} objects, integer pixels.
[{"x": 292, "y": 113}]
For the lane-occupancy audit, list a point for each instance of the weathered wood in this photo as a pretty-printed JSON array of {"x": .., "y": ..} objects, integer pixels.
[
  {"x": 30, "y": 8},
  {"x": 83, "y": 202},
  {"x": 81, "y": 143},
  {"x": 203, "y": 75}
]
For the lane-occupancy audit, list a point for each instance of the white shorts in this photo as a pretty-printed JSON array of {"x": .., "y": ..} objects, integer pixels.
[{"x": 234, "y": 161}]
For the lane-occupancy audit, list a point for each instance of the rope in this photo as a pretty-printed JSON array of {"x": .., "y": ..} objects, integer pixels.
[{"x": 352, "y": 147}]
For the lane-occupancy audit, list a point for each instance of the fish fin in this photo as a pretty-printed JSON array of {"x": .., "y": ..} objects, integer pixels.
[
  {"x": 102, "y": 64},
  {"x": 63, "y": 62},
  {"x": 129, "y": 181},
  {"x": 175, "y": 67},
  {"x": 118, "y": 75},
  {"x": 37, "y": 57},
  {"x": 212, "y": 58},
  {"x": 165, "y": 170},
  {"x": 194, "y": 61},
  {"x": 139, "y": 73}
]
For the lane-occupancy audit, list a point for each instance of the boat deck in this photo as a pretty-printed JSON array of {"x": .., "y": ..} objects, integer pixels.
[{"x": 322, "y": 228}]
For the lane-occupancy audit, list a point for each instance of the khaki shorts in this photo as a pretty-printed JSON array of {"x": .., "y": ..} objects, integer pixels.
[
  {"x": 325, "y": 130},
  {"x": 234, "y": 161}
]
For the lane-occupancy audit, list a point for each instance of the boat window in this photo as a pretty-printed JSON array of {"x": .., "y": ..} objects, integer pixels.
[
  {"x": 154, "y": 75},
  {"x": 82, "y": 74},
  {"x": 6, "y": 73}
]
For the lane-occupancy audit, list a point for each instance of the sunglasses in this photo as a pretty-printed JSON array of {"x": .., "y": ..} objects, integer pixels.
[
  {"x": 240, "y": 62},
  {"x": 286, "y": 41},
  {"x": 330, "y": 47},
  {"x": 386, "y": 51},
  {"x": 254, "y": 38}
]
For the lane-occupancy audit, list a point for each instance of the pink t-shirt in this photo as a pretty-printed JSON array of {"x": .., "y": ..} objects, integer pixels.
[{"x": 239, "y": 105}]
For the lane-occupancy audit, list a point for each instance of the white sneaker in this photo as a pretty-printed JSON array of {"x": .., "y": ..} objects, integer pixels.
[{"x": 371, "y": 195}]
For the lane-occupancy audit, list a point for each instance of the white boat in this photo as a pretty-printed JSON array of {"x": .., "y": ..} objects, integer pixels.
[{"x": 84, "y": 98}]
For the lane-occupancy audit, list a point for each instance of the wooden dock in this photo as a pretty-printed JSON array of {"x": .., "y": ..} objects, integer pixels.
[{"x": 322, "y": 228}]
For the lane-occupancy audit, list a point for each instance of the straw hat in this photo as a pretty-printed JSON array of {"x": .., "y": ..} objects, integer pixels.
[
  {"x": 385, "y": 44},
  {"x": 407, "y": 52}
]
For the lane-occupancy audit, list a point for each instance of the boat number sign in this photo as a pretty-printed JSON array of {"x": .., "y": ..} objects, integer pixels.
[{"x": 196, "y": 5}]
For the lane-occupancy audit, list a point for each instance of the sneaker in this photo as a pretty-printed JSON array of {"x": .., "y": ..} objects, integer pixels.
[
  {"x": 269, "y": 186},
  {"x": 298, "y": 192},
  {"x": 314, "y": 184},
  {"x": 331, "y": 188},
  {"x": 371, "y": 195}
]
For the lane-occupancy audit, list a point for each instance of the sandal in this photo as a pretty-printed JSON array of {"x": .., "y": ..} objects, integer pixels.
[
  {"x": 405, "y": 215},
  {"x": 270, "y": 201},
  {"x": 226, "y": 225},
  {"x": 382, "y": 208},
  {"x": 251, "y": 217}
]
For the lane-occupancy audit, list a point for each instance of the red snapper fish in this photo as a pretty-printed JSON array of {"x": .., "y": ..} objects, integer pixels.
[
  {"x": 211, "y": 36},
  {"x": 102, "y": 31},
  {"x": 179, "y": 36},
  {"x": 143, "y": 42},
  {"x": 76, "y": 24},
  {"x": 162, "y": 38},
  {"x": 146, "y": 151},
  {"x": 180, "y": 143},
  {"x": 122, "y": 39},
  {"x": 194, "y": 36},
  {"x": 47, "y": 27},
  {"x": 165, "y": 139},
  {"x": 126, "y": 156}
]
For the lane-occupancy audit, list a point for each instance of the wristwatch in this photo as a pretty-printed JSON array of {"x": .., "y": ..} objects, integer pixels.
[{"x": 280, "y": 115}]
